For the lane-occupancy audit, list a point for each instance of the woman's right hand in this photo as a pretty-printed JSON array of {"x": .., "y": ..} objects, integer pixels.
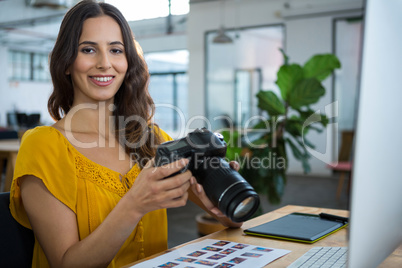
[{"x": 153, "y": 188}]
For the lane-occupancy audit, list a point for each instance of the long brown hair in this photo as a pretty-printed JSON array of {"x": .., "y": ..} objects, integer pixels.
[{"x": 132, "y": 99}]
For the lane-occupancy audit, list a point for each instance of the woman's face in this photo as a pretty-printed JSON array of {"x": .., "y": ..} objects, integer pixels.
[{"x": 101, "y": 64}]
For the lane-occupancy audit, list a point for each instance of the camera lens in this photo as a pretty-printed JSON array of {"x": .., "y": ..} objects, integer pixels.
[
  {"x": 226, "y": 188},
  {"x": 244, "y": 207}
]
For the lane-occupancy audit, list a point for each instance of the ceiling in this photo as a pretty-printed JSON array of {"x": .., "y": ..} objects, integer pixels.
[
  {"x": 25, "y": 26},
  {"x": 32, "y": 37},
  {"x": 31, "y": 28}
]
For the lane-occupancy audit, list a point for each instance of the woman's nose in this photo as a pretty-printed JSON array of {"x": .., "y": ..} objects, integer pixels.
[{"x": 103, "y": 61}]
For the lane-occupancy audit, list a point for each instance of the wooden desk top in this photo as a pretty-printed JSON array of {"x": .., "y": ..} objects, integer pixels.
[
  {"x": 9, "y": 145},
  {"x": 338, "y": 239}
]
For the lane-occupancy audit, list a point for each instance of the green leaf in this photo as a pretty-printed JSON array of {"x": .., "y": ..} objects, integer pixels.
[
  {"x": 306, "y": 166},
  {"x": 296, "y": 152},
  {"x": 324, "y": 120},
  {"x": 276, "y": 186},
  {"x": 305, "y": 114},
  {"x": 281, "y": 151},
  {"x": 232, "y": 139},
  {"x": 302, "y": 145},
  {"x": 306, "y": 92},
  {"x": 285, "y": 57},
  {"x": 302, "y": 157},
  {"x": 261, "y": 141},
  {"x": 319, "y": 130},
  {"x": 279, "y": 181},
  {"x": 321, "y": 66},
  {"x": 288, "y": 76},
  {"x": 308, "y": 143},
  {"x": 294, "y": 128},
  {"x": 268, "y": 101},
  {"x": 263, "y": 124},
  {"x": 263, "y": 172}
]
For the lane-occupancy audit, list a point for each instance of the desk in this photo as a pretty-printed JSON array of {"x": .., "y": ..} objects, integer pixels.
[
  {"x": 338, "y": 239},
  {"x": 8, "y": 150}
]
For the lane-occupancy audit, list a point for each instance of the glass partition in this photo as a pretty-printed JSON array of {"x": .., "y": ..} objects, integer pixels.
[
  {"x": 169, "y": 88},
  {"x": 348, "y": 46},
  {"x": 236, "y": 71},
  {"x": 348, "y": 40}
]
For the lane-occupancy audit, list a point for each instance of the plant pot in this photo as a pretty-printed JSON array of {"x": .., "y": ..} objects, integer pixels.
[{"x": 206, "y": 224}]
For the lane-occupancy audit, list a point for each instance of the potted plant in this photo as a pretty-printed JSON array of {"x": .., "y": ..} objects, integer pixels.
[{"x": 263, "y": 158}]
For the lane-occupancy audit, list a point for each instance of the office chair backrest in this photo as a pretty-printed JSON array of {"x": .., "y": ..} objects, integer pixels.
[
  {"x": 8, "y": 134},
  {"x": 33, "y": 120},
  {"x": 17, "y": 242}
]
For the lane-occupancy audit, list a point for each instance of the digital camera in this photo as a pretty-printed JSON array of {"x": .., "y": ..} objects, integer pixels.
[{"x": 224, "y": 186}]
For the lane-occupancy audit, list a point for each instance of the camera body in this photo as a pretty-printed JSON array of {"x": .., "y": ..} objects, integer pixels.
[{"x": 225, "y": 187}]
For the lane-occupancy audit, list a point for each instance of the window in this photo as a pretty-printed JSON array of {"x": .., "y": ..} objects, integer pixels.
[
  {"x": 247, "y": 83},
  {"x": 168, "y": 88},
  {"x": 140, "y": 9},
  {"x": 236, "y": 71},
  {"x": 28, "y": 66}
]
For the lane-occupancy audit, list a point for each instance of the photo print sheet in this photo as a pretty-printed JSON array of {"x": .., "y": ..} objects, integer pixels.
[{"x": 216, "y": 254}]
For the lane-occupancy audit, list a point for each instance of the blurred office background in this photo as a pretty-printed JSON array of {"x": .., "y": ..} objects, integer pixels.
[{"x": 204, "y": 57}]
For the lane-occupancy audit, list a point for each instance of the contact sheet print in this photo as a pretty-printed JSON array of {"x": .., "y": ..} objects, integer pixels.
[{"x": 216, "y": 254}]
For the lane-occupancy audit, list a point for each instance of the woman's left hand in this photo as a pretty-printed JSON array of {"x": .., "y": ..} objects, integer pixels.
[{"x": 198, "y": 191}]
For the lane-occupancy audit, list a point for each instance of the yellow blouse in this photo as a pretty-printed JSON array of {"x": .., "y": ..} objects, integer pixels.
[{"x": 90, "y": 190}]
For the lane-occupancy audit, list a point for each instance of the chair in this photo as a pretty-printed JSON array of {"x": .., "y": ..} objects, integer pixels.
[
  {"x": 33, "y": 120},
  {"x": 22, "y": 119},
  {"x": 17, "y": 242},
  {"x": 344, "y": 164},
  {"x": 8, "y": 134}
]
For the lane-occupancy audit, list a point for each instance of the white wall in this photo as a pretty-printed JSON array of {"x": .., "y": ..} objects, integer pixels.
[
  {"x": 304, "y": 37},
  {"x": 163, "y": 42}
]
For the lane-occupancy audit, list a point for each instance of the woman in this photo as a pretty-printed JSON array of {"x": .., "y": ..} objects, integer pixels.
[{"x": 86, "y": 185}]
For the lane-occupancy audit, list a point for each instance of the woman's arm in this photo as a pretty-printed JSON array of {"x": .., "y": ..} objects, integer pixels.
[
  {"x": 55, "y": 225},
  {"x": 198, "y": 196}
]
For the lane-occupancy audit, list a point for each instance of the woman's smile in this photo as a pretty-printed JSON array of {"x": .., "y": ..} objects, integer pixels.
[{"x": 102, "y": 80}]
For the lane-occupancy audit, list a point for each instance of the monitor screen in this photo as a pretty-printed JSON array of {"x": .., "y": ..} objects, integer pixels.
[{"x": 376, "y": 202}]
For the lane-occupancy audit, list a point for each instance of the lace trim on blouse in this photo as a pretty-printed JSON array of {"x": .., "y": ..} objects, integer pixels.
[{"x": 105, "y": 177}]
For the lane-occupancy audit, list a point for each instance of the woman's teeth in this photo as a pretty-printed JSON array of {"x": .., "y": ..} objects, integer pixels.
[{"x": 102, "y": 79}]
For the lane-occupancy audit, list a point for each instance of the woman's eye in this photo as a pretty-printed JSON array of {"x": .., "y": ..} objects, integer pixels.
[
  {"x": 87, "y": 50},
  {"x": 116, "y": 51}
]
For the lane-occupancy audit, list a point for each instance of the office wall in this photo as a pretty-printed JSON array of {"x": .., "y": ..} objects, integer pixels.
[
  {"x": 163, "y": 42},
  {"x": 30, "y": 97},
  {"x": 308, "y": 31}
]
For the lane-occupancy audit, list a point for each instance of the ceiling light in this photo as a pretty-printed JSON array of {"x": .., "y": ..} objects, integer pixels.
[
  {"x": 222, "y": 37},
  {"x": 50, "y": 3}
]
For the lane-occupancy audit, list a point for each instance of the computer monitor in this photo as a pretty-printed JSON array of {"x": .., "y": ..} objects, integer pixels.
[{"x": 376, "y": 198}]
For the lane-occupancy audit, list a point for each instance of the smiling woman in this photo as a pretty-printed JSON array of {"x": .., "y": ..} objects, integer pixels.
[{"x": 87, "y": 185}]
